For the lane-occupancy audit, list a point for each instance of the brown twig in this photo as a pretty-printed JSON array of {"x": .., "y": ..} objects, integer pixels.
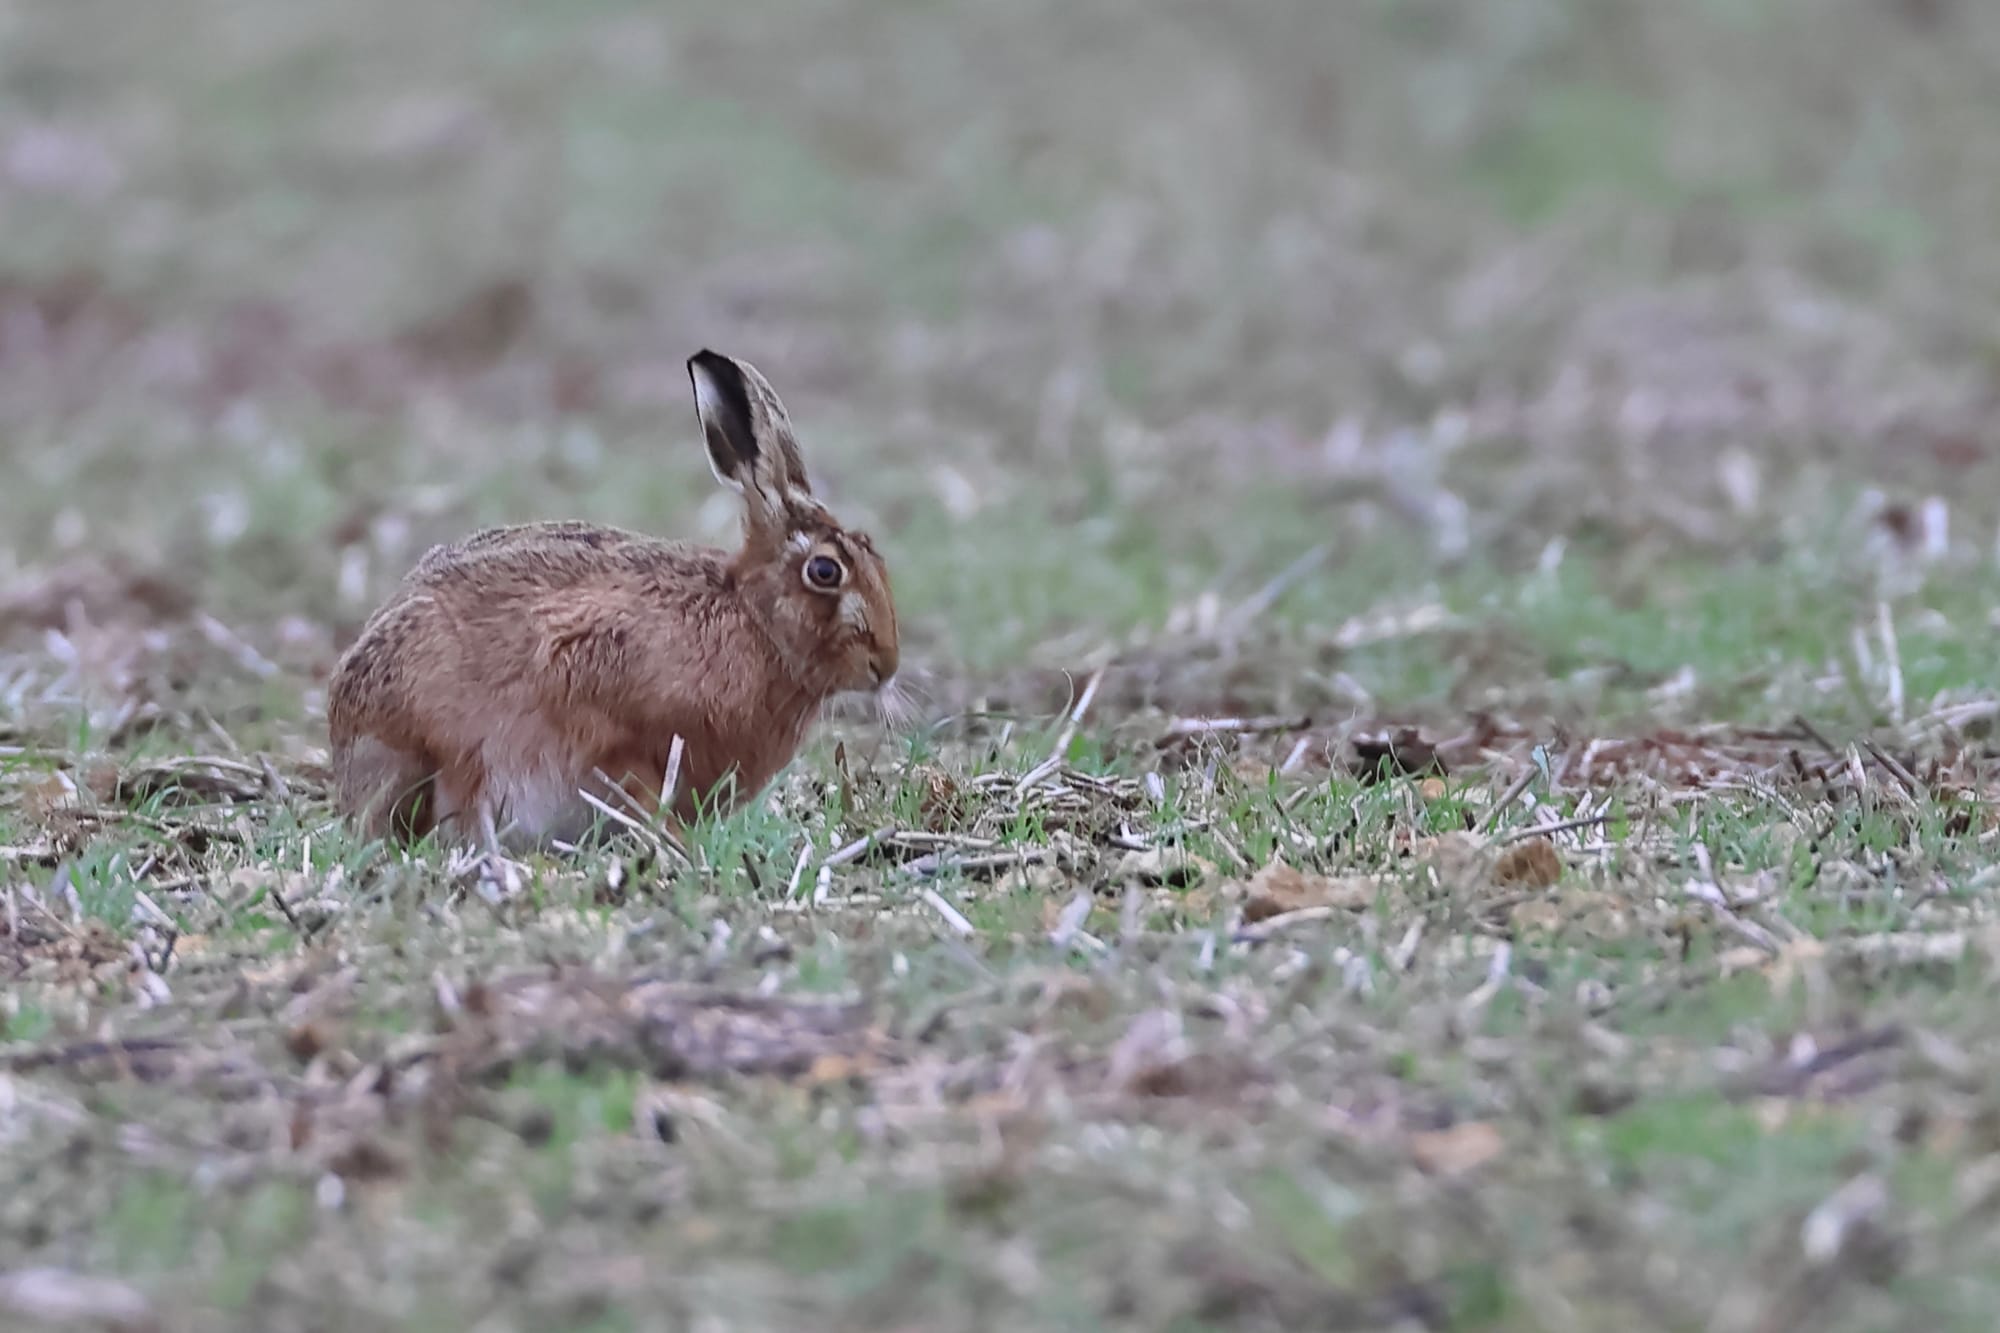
[
  {"x": 1076, "y": 714},
  {"x": 1514, "y": 792},
  {"x": 1542, "y": 830},
  {"x": 1183, "y": 727}
]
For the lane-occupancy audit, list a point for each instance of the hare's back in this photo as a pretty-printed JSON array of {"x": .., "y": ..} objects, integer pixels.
[
  {"x": 474, "y": 616},
  {"x": 501, "y": 565},
  {"x": 566, "y": 542}
]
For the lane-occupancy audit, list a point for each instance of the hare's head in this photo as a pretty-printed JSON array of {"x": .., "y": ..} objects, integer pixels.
[{"x": 819, "y": 589}]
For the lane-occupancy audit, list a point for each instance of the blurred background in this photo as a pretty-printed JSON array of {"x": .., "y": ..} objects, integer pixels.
[{"x": 1102, "y": 315}]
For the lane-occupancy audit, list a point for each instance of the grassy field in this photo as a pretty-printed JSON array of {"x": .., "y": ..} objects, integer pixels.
[{"x": 1447, "y": 553}]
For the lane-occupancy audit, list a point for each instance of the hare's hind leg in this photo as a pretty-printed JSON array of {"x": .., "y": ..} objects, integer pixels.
[
  {"x": 466, "y": 805},
  {"x": 390, "y": 793}
]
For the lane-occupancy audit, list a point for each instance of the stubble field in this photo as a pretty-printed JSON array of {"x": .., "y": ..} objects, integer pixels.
[{"x": 1447, "y": 558}]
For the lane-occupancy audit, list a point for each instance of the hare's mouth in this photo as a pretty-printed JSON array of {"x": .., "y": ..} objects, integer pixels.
[{"x": 889, "y": 701}]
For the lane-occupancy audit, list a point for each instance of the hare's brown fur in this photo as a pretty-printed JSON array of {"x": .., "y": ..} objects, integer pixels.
[{"x": 524, "y": 663}]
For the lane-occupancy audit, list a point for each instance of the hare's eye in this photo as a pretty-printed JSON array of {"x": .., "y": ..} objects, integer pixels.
[{"x": 823, "y": 571}]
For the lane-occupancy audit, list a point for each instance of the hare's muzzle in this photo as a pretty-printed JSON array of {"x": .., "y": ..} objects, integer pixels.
[{"x": 882, "y": 665}]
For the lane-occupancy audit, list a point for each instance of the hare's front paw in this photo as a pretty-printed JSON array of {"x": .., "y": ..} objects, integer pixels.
[
  {"x": 491, "y": 875},
  {"x": 500, "y": 878},
  {"x": 495, "y": 877}
]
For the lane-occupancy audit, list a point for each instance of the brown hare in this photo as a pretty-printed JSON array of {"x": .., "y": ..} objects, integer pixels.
[{"x": 524, "y": 666}]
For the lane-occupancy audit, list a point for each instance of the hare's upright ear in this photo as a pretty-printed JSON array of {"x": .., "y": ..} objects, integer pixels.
[{"x": 749, "y": 438}]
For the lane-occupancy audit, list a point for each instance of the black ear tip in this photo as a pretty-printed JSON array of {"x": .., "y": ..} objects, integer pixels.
[
  {"x": 723, "y": 396},
  {"x": 724, "y": 374}
]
